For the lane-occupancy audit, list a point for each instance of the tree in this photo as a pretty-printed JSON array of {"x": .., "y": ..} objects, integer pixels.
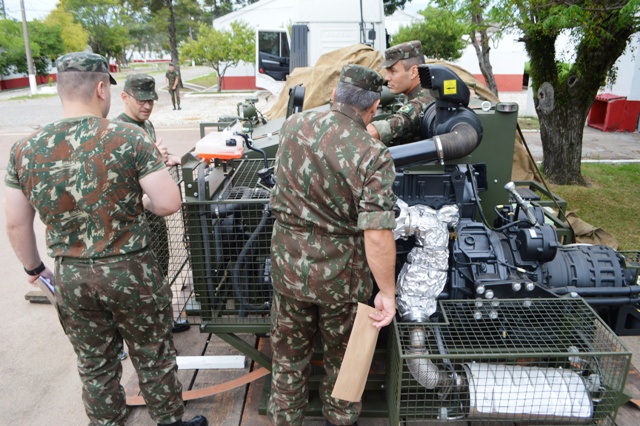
[
  {"x": 221, "y": 49},
  {"x": 440, "y": 33},
  {"x": 600, "y": 31},
  {"x": 479, "y": 33},
  {"x": 74, "y": 37},
  {"x": 390, "y": 6},
  {"x": 107, "y": 23},
  {"x": 46, "y": 45}
]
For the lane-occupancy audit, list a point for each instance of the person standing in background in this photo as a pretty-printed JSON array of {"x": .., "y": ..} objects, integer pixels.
[{"x": 173, "y": 83}]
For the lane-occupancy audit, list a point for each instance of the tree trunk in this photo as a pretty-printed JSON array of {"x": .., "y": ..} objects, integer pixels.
[
  {"x": 173, "y": 43},
  {"x": 482, "y": 52},
  {"x": 561, "y": 129}
]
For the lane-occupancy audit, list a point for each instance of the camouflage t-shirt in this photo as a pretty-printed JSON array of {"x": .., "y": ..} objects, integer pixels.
[
  {"x": 333, "y": 181},
  {"x": 146, "y": 124},
  {"x": 171, "y": 77},
  {"x": 404, "y": 126},
  {"x": 82, "y": 176}
]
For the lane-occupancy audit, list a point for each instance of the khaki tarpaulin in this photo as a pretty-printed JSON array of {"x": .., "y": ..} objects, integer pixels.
[
  {"x": 588, "y": 234},
  {"x": 320, "y": 80}
]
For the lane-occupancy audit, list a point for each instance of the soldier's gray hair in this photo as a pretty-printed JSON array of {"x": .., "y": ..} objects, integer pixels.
[
  {"x": 79, "y": 85},
  {"x": 360, "y": 99},
  {"x": 409, "y": 62}
]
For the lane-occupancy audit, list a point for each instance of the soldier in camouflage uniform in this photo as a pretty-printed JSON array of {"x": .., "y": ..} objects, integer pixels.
[
  {"x": 173, "y": 83},
  {"x": 139, "y": 95},
  {"x": 333, "y": 204},
  {"x": 401, "y": 63},
  {"x": 86, "y": 176}
]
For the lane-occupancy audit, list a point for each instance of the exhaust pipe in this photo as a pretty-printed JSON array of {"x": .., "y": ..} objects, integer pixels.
[{"x": 461, "y": 141}]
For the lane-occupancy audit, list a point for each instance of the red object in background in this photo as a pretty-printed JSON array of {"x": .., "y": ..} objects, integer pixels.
[
  {"x": 613, "y": 113},
  {"x": 113, "y": 67}
]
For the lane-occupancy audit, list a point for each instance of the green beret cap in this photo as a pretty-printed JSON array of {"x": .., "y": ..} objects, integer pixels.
[
  {"x": 141, "y": 86},
  {"x": 84, "y": 61},
  {"x": 362, "y": 77},
  {"x": 407, "y": 50}
]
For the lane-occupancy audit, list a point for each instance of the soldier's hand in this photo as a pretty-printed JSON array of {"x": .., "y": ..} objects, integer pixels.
[
  {"x": 373, "y": 131},
  {"x": 386, "y": 310},
  {"x": 164, "y": 151},
  {"x": 47, "y": 273}
]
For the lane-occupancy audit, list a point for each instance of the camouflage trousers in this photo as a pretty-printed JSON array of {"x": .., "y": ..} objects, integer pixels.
[
  {"x": 175, "y": 96},
  {"x": 294, "y": 328},
  {"x": 100, "y": 304}
]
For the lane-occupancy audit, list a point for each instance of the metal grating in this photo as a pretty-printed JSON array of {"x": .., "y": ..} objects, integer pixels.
[
  {"x": 543, "y": 361},
  {"x": 228, "y": 237}
]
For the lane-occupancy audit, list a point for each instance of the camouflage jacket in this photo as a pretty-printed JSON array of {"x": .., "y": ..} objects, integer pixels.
[
  {"x": 404, "y": 126},
  {"x": 333, "y": 181},
  {"x": 82, "y": 176},
  {"x": 171, "y": 77},
  {"x": 146, "y": 125}
]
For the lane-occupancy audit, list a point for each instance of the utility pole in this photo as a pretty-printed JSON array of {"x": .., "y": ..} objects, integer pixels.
[
  {"x": 27, "y": 47},
  {"x": 3, "y": 12}
]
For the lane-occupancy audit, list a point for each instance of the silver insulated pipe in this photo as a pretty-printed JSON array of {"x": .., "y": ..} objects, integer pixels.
[{"x": 424, "y": 275}]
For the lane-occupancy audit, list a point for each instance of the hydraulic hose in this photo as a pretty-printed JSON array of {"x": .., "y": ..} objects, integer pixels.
[
  {"x": 242, "y": 293},
  {"x": 461, "y": 141}
]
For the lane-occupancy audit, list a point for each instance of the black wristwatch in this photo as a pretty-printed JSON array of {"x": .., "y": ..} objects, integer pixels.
[{"x": 37, "y": 271}]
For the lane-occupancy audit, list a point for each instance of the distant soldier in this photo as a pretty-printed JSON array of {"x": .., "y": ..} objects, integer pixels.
[
  {"x": 89, "y": 179},
  {"x": 401, "y": 63},
  {"x": 333, "y": 205},
  {"x": 173, "y": 83}
]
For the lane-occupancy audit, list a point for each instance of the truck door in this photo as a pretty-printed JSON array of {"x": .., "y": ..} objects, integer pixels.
[{"x": 272, "y": 55}]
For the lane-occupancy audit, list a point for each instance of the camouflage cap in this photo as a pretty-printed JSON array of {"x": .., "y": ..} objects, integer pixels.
[
  {"x": 84, "y": 61},
  {"x": 407, "y": 50},
  {"x": 362, "y": 77},
  {"x": 141, "y": 86}
]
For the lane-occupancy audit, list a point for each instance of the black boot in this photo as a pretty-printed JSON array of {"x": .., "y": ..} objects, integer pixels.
[
  {"x": 196, "y": 421},
  {"x": 174, "y": 107},
  {"x": 179, "y": 107}
]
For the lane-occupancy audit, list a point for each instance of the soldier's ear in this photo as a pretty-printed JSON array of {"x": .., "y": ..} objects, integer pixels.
[
  {"x": 333, "y": 96},
  {"x": 101, "y": 89},
  {"x": 413, "y": 72}
]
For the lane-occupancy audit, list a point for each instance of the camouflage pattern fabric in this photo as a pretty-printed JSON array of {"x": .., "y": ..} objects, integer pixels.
[
  {"x": 172, "y": 76},
  {"x": 404, "y": 126},
  {"x": 82, "y": 175},
  {"x": 84, "y": 62},
  {"x": 141, "y": 86},
  {"x": 146, "y": 125},
  {"x": 409, "y": 49},
  {"x": 103, "y": 302},
  {"x": 333, "y": 181},
  {"x": 159, "y": 243},
  {"x": 295, "y": 326},
  {"x": 362, "y": 77}
]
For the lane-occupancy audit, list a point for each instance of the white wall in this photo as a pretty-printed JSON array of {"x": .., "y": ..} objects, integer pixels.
[
  {"x": 628, "y": 80},
  {"x": 507, "y": 57}
]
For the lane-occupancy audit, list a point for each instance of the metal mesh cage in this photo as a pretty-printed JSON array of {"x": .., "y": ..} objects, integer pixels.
[
  {"x": 227, "y": 231},
  {"x": 543, "y": 361},
  {"x": 631, "y": 258}
]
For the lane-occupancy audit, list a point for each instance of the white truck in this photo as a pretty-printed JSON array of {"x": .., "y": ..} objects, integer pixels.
[{"x": 294, "y": 33}]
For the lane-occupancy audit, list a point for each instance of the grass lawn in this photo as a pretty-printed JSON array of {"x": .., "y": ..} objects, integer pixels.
[
  {"x": 611, "y": 202},
  {"x": 529, "y": 123},
  {"x": 208, "y": 80}
]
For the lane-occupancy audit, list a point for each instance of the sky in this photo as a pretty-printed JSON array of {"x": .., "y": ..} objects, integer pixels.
[
  {"x": 34, "y": 9},
  {"x": 39, "y": 9}
]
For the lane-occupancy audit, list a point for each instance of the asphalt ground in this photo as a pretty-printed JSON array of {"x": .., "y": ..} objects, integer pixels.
[{"x": 39, "y": 384}]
